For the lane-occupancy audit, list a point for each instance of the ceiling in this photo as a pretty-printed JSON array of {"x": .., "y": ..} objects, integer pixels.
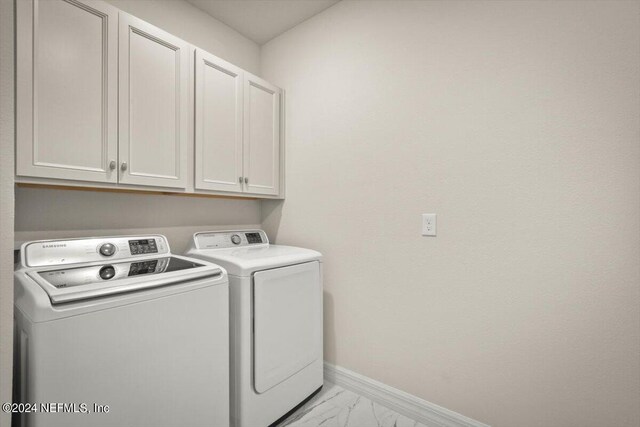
[{"x": 262, "y": 20}]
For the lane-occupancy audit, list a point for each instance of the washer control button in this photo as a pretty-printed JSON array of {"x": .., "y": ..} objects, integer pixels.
[
  {"x": 107, "y": 249},
  {"x": 107, "y": 272},
  {"x": 235, "y": 239}
]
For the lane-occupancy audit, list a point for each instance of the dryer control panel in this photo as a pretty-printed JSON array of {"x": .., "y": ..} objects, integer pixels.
[
  {"x": 61, "y": 252},
  {"x": 230, "y": 239}
]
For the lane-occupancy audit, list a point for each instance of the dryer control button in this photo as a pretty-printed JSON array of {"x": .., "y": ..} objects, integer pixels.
[
  {"x": 235, "y": 239},
  {"x": 107, "y": 249}
]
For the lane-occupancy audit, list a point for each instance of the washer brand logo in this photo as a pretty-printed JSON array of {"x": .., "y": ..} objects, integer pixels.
[{"x": 54, "y": 245}]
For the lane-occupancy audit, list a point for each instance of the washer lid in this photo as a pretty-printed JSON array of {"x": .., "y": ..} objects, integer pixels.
[
  {"x": 243, "y": 261},
  {"x": 99, "y": 280}
]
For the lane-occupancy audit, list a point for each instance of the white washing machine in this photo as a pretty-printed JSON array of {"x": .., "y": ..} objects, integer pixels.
[
  {"x": 276, "y": 322},
  {"x": 117, "y": 331}
]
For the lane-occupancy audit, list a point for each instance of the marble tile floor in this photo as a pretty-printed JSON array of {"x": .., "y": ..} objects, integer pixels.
[{"x": 336, "y": 407}]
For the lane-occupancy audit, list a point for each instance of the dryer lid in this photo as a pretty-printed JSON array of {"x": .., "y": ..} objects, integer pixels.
[{"x": 244, "y": 261}]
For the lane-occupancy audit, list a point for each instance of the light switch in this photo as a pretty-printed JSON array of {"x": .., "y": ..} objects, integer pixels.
[{"x": 429, "y": 224}]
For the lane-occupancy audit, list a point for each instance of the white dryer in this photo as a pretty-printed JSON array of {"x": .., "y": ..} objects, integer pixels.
[
  {"x": 121, "y": 323},
  {"x": 275, "y": 319}
]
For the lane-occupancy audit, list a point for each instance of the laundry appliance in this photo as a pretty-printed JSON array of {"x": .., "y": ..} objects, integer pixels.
[
  {"x": 276, "y": 322},
  {"x": 117, "y": 331}
]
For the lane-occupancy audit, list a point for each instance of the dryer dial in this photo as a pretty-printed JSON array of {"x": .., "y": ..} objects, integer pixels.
[{"x": 235, "y": 239}]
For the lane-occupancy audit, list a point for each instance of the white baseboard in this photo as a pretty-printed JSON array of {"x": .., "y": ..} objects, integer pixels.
[{"x": 403, "y": 403}]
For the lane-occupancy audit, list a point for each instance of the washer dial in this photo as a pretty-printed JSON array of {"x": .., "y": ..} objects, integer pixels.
[
  {"x": 107, "y": 249},
  {"x": 235, "y": 239},
  {"x": 107, "y": 272}
]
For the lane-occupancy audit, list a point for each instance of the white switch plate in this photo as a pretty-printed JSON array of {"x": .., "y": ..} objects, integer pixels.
[{"x": 428, "y": 224}]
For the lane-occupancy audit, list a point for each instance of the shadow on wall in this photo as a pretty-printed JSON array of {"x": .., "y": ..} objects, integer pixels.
[
  {"x": 270, "y": 218},
  {"x": 329, "y": 325}
]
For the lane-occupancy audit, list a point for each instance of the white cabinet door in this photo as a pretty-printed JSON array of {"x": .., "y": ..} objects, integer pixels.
[
  {"x": 66, "y": 89},
  {"x": 261, "y": 136},
  {"x": 153, "y": 121},
  {"x": 218, "y": 121}
]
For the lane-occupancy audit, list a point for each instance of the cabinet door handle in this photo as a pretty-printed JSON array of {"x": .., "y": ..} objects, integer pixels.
[
  {"x": 246, "y": 180},
  {"x": 240, "y": 179},
  {"x": 123, "y": 166},
  {"x": 112, "y": 165}
]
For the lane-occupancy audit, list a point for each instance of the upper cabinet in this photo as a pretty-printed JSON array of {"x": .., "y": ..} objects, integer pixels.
[
  {"x": 154, "y": 102},
  {"x": 67, "y": 90},
  {"x": 105, "y": 99},
  {"x": 261, "y": 136},
  {"x": 218, "y": 121},
  {"x": 237, "y": 121}
]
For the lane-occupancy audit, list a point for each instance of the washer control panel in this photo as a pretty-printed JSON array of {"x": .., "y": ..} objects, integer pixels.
[
  {"x": 62, "y": 252},
  {"x": 143, "y": 246},
  {"x": 230, "y": 239}
]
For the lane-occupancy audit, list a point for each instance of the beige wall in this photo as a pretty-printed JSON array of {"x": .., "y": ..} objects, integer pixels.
[
  {"x": 6, "y": 202},
  {"x": 518, "y": 124},
  {"x": 43, "y": 214},
  {"x": 50, "y": 214}
]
